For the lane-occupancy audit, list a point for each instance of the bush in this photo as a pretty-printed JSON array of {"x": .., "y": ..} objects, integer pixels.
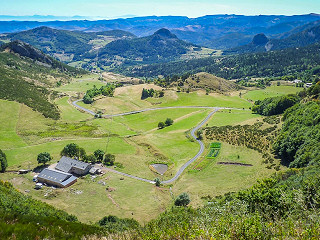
[
  {"x": 3, "y": 161},
  {"x": 109, "y": 159},
  {"x": 182, "y": 200},
  {"x": 157, "y": 182},
  {"x": 161, "y": 125},
  {"x": 168, "y": 122},
  {"x": 99, "y": 154}
]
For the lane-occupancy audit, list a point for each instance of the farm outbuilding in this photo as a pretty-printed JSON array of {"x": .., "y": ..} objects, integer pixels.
[
  {"x": 56, "y": 178},
  {"x": 69, "y": 165}
]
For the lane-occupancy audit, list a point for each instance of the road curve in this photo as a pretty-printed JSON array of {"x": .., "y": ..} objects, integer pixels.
[{"x": 193, "y": 131}]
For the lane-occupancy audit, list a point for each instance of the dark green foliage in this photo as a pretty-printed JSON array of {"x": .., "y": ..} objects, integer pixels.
[
  {"x": 91, "y": 158},
  {"x": 298, "y": 62},
  {"x": 182, "y": 200},
  {"x": 161, "y": 125},
  {"x": 275, "y": 105},
  {"x": 298, "y": 140},
  {"x": 107, "y": 90},
  {"x": 109, "y": 159},
  {"x": 87, "y": 99},
  {"x": 114, "y": 224},
  {"x": 82, "y": 154},
  {"x": 147, "y": 93},
  {"x": 157, "y": 182},
  {"x": 168, "y": 122},
  {"x": 99, "y": 154},
  {"x": 3, "y": 161},
  {"x": 199, "y": 134},
  {"x": 71, "y": 150},
  {"x": 44, "y": 158}
]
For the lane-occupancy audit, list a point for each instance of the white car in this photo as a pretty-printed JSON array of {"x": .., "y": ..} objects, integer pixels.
[{"x": 38, "y": 186}]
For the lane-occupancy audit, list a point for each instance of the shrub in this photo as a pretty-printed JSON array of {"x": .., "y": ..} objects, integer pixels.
[
  {"x": 44, "y": 157},
  {"x": 182, "y": 200}
]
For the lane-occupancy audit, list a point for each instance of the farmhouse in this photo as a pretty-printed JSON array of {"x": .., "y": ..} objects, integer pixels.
[
  {"x": 69, "y": 165},
  {"x": 56, "y": 178}
]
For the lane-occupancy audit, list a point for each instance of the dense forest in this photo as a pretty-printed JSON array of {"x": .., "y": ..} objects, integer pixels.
[{"x": 301, "y": 63}]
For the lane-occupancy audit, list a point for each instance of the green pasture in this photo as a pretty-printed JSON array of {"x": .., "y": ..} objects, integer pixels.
[
  {"x": 232, "y": 117},
  {"x": 272, "y": 91}
]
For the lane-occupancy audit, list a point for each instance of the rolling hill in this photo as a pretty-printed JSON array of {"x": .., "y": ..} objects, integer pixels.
[{"x": 162, "y": 46}]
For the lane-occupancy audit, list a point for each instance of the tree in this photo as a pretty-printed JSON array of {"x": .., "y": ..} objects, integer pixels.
[
  {"x": 3, "y": 161},
  {"x": 157, "y": 182},
  {"x": 144, "y": 94},
  {"x": 44, "y": 157},
  {"x": 161, "y": 125},
  {"x": 109, "y": 159},
  {"x": 199, "y": 134},
  {"x": 168, "y": 122},
  {"x": 82, "y": 153},
  {"x": 71, "y": 150},
  {"x": 99, "y": 154},
  {"x": 87, "y": 99},
  {"x": 182, "y": 200},
  {"x": 91, "y": 158}
]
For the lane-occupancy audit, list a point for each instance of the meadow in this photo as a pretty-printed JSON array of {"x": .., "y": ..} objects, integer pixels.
[{"x": 136, "y": 142}]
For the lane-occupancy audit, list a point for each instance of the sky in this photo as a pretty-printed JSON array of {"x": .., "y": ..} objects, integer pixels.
[{"x": 190, "y": 8}]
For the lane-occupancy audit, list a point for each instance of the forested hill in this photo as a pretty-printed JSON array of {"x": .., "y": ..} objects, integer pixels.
[
  {"x": 27, "y": 74},
  {"x": 162, "y": 46},
  {"x": 302, "y": 61},
  {"x": 66, "y": 45},
  {"x": 303, "y": 38}
]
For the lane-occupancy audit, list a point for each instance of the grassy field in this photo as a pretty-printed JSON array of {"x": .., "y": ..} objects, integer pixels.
[
  {"x": 136, "y": 142},
  {"x": 218, "y": 179},
  {"x": 233, "y": 117},
  {"x": 272, "y": 91}
]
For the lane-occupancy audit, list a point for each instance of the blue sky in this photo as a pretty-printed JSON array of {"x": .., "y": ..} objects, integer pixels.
[{"x": 190, "y": 8}]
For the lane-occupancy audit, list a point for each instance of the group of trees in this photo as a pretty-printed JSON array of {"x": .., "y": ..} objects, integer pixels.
[
  {"x": 73, "y": 150},
  {"x": 167, "y": 123},
  {"x": 298, "y": 141},
  {"x": 151, "y": 93},
  {"x": 275, "y": 105},
  {"x": 107, "y": 90}
]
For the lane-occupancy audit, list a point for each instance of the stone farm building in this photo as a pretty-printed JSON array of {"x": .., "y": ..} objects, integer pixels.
[
  {"x": 56, "y": 178},
  {"x": 69, "y": 165}
]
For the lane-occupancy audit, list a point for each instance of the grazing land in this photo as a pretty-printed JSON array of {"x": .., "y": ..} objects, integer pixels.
[{"x": 136, "y": 142}]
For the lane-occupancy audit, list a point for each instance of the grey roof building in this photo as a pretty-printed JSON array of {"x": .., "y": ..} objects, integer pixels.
[
  {"x": 56, "y": 178},
  {"x": 70, "y": 165}
]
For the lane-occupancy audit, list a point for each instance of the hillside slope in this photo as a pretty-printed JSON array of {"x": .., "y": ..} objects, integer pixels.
[{"x": 27, "y": 73}]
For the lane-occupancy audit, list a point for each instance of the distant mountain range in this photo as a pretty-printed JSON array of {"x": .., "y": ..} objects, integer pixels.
[
  {"x": 67, "y": 45},
  {"x": 300, "y": 37},
  {"x": 214, "y": 31}
]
